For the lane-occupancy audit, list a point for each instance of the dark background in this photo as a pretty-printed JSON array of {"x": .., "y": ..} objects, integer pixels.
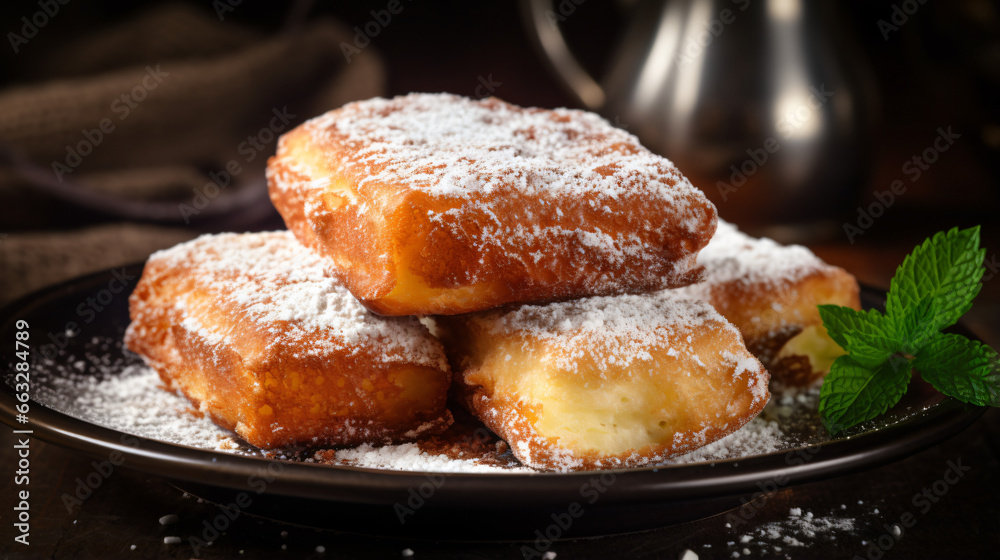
[{"x": 942, "y": 67}]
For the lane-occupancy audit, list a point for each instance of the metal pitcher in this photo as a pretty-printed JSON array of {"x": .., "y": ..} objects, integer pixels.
[{"x": 763, "y": 104}]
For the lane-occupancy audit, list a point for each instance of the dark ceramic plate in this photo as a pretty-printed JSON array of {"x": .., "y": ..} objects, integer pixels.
[{"x": 466, "y": 506}]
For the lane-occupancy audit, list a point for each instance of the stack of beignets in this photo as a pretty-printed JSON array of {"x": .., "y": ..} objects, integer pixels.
[{"x": 558, "y": 258}]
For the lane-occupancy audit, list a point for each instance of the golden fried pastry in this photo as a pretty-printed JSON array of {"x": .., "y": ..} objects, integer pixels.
[
  {"x": 252, "y": 329},
  {"x": 438, "y": 204},
  {"x": 604, "y": 382},
  {"x": 770, "y": 292}
]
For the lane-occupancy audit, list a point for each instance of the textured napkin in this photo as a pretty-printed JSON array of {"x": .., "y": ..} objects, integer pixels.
[{"x": 168, "y": 117}]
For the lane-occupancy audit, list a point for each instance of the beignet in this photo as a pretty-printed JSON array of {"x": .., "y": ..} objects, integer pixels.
[
  {"x": 438, "y": 204},
  {"x": 770, "y": 292},
  {"x": 252, "y": 329},
  {"x": 604, "y": 382}
]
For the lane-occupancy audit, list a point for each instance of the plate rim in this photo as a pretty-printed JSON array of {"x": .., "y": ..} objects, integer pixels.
[{"x": 362, "y": 485}]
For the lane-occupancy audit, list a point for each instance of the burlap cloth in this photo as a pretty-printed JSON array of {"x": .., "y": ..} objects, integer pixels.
[{"x": 183, "y": 95}]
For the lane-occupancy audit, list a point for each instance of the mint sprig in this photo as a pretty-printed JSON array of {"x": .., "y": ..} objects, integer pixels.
[
  {"x": 853, "y": 393},
  {"x": 947, "y": 353},
  {"x": 930, "y": 291},
  {"x": 946, "y": 269},
  {"x": 860, "y": 333}
]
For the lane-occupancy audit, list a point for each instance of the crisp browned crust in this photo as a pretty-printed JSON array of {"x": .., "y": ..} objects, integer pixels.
[
  {"x": 770, "y": 314},
  {"x": 212, "y": 316},
  {"x": 779, "y": 307},
  {"x": 436, "y": 204},
  {"x": 771, "y": 293},
  {"x": 794, "y": 371}
]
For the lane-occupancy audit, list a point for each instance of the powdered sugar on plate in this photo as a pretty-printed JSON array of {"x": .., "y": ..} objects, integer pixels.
[
  {"x": 756, "y": 437},
  {"x": 131, "y": 399},
  {"x": 410, "y": 457},
  {"x": 115, "y": 390}
]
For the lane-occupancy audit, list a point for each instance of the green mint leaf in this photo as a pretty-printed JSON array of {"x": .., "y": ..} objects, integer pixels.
[
  {"x": 853, "y": 393},
  {"x": 840, "y": 320},
  {"x": 961, "y": 368},
  {"x": 916, "y": 327},
  {"x": 931, "y": 290},
  {"x": 945, "y": 268},
  {"x": 868, "y": 336}
]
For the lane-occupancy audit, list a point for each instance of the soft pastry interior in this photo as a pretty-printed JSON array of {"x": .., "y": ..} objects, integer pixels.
[
  {"x": 604, "y": 382},
  {"x": 436, "y": 204},
  {"x": 254, "y": 331},
  {"x": 771, "y": 293}
]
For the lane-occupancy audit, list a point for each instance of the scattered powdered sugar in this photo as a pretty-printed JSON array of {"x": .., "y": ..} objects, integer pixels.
[
  {"x": 799, "y": 530},
  {"x": 756, "y": 437},
  {"x": 788, "y": 421},
  {"x": 122, "y": 394},
  {"x": 409, "y": 457},
  {"x": 118, "y": 392},
  {"x": 452, "y": 146},
  {"x": 614, "y": 330},
  {"x": 791, "y": 401},
  {"x": 131, "y": 399},
  {"x": 284, "y": 291}
]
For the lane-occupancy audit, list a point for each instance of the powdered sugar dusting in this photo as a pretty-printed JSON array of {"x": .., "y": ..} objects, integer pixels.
[
  {"x": 448, "y": 145},
  {"x": 549, "y": 204},
  {"x": 800, "y": 529},
  {"x": 409, "y": 457},
  {"x": 732, "y": 255},
  {"x": 131, "y": 399},
  {"x": 285, "y": 291},
  {"x": 109, "y": 387},
  {"x": 615, "y": 330},
  {"x": 756, "y": 437},
  {"x": 788, "y": 421}
]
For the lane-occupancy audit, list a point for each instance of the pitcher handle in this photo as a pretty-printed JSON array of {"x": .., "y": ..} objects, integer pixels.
[{"x": 541, "y": 21}]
